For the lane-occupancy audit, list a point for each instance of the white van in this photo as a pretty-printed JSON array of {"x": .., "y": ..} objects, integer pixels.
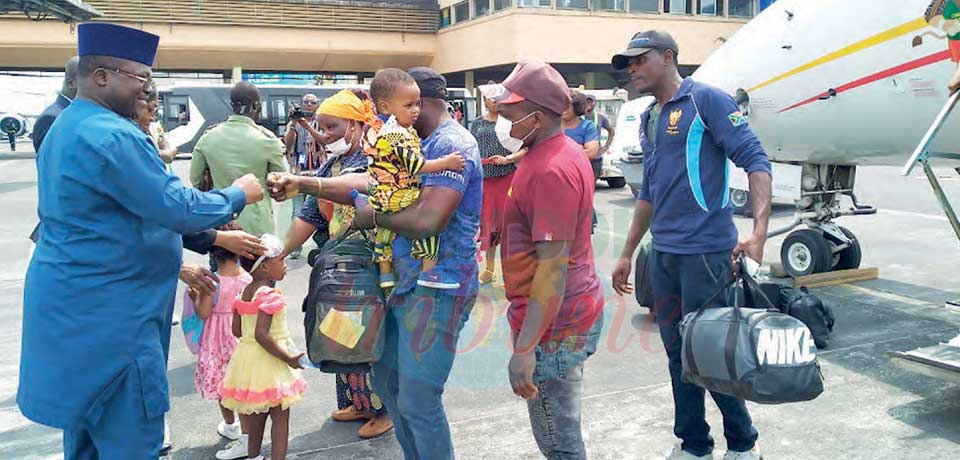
[{"x": 625, "y": 151}]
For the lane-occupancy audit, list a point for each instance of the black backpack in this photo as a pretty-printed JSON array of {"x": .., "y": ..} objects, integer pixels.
[
  {"x": 806, "y": 307},
  {"x": 798, "y": 303},
  {"x": 345, "y": 278}
]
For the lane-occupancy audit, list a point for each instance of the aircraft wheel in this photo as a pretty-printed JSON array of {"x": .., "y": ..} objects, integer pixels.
[
  {"x": 740, "y": 200},
  {"x": 805, "y": 252},
  {"x": 848, "y": 258}
]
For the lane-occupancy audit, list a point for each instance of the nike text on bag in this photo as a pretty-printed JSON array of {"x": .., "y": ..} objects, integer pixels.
[
  {"x": 345, "y": 308},
  {"x": 758, "y": 355}
]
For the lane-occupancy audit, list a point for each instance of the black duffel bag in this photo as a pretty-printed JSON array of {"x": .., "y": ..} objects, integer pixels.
[
  {"x": 643, "y": 288},
  {"x": 345, "y": 284},
  {"x": 759, "y": 355}
]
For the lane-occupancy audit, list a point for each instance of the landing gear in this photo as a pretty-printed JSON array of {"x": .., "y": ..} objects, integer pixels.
[
  {"x": 846, "y": 254},
  {"x": 809, "y": 251},
  {"x": 823, "y": 246},
  {"x": 805, "y": 252}
]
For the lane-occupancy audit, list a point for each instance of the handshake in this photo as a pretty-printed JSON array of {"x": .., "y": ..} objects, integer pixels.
[
  {"x": 282, "y": 187},
  {"x": 251, "y": 188}
]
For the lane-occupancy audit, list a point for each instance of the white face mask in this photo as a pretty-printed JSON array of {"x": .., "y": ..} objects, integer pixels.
[
  {"x": 339, "y": 146},
  {"x": 503, "y": 128}
]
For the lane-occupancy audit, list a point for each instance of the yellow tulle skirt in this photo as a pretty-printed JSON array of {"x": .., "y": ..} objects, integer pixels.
[{"x": 257, "y": 381}]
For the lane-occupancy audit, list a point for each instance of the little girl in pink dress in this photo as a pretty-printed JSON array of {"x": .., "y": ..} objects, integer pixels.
[{"x": 217, "y": 342}]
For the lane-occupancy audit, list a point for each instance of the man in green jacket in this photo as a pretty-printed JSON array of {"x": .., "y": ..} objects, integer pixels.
[{"x": 237, "y": 147}]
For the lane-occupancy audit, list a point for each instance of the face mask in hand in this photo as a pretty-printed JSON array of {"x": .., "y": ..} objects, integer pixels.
[{"x": 503, "y": 128}]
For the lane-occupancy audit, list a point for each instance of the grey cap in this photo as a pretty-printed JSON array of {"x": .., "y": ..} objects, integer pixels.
[{"x": 642, "y": 43}]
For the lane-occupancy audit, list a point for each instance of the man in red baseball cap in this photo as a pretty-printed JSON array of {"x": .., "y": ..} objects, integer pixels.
[{"x": 556, "y": 303}]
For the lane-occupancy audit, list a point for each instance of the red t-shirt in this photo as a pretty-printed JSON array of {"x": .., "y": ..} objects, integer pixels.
[{"x": 551, "y": 199}]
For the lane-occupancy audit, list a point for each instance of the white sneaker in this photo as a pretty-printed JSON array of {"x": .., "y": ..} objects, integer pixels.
[
  {"x": 231, "y": 432},
  {"x": 234, "y": 450},
  {"x": 752, "y": 454},
  {"x": 677, "y": 453}
]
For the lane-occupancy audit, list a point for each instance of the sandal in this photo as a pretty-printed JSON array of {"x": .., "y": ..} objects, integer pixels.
[{"x": 487, "y": 277}]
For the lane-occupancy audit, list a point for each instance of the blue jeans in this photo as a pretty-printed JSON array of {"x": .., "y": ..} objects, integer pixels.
[
  {"x": 422, "y": 330},
  {"x": 681, "y": 284},
  {"x": 555, "y": 412}
]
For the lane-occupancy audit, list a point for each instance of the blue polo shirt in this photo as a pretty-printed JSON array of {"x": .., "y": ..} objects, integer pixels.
[{"x": 686, "y": 174}]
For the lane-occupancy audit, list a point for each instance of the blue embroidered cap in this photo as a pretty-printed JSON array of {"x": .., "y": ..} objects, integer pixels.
[{"x": 104, "y": 39}]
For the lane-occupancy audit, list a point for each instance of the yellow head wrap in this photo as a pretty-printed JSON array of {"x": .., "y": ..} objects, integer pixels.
[{"x": 348, "y": 106}]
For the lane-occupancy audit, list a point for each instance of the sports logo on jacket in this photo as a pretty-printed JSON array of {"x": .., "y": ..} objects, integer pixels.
[
  {"x": 737, "y": 118},
  {"x": 674, "y": 122}
]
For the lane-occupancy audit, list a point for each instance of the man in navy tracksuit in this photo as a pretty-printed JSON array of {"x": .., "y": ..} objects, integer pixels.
[{"x": 689, "y": 134}]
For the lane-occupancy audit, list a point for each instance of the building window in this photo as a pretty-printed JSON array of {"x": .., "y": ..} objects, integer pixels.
[
  {"x": 481, "y": 8},
  {"x": 678, "y": 6},
  {"x": 573, "y": 4},
  {"x": 461, "y": 12},
  {"x": 644, "y": 6},
  {"x": 502, "y": 4},
  {"x": 711, "y": 7},
  {"x": 742, "y": 8},
  {"x": 533, "y": 3},
  {"x": 445, "y": 19},
  {"x": 609, "y": 5}
]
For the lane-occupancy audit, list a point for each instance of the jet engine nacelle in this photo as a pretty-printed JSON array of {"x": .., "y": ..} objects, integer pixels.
[{"x": 12, "y": 123}]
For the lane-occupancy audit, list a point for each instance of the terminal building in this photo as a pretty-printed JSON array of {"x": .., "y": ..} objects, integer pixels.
[{"x": 470, "y": 41}]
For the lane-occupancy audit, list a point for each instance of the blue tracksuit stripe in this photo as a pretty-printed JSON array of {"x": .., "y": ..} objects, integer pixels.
[
  {"x": 694, "y": 143},
  {"x": 726, "y": 186},
  {"x": 700, "y": 131}
]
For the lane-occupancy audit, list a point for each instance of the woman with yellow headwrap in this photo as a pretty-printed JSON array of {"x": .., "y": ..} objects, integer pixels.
[{"x": 342, "y": 119}]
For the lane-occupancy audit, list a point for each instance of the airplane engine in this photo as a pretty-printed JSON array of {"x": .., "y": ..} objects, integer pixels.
[{"x": 11, "y": 123}]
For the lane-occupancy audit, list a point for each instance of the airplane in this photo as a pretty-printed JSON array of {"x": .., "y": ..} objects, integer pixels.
[{"x": 830, "y": 86}]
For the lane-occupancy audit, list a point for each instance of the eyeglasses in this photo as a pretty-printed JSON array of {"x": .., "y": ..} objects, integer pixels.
[{"x": 145, "y": 81}]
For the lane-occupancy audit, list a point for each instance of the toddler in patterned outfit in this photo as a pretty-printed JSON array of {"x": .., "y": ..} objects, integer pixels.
[{"x": 394, "y": 146}]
